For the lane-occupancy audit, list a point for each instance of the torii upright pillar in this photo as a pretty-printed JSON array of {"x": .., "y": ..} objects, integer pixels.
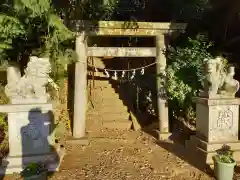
[
  {"x": 80, "y": 92},
  {"x": 162, "y": 105}
]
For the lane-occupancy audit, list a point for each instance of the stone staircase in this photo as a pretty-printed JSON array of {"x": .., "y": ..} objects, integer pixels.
[{"x": 106, "y": 109}]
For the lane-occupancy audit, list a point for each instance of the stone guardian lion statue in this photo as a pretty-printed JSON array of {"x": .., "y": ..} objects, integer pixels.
[{"x": 30, "y": 88}]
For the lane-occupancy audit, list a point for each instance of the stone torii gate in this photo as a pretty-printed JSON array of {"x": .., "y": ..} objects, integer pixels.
[{"x": 117, "y": 28}]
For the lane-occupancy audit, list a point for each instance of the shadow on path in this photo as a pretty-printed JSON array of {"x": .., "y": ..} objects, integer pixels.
[{"x": 174, "y": 147}]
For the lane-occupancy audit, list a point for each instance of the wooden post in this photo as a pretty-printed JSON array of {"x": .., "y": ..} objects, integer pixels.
[
  {"x": 162, "y": 107},
  {"x": 80, "y": 91}
]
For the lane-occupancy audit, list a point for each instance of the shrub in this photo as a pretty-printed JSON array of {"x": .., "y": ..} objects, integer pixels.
[
  {"x": 33, "y": 169},
  {"x": 3, "y": 98},
  {"x": 224, "y": 155},
  {"x": 185, "y": 74},
  {"x": 3, "y": 123}
]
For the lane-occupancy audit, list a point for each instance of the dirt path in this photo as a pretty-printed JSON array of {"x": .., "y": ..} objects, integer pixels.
[{"x": 130, "y": 155}]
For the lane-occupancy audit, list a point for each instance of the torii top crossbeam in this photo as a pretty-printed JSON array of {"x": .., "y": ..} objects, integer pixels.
[{"x": 126, "y": 28}]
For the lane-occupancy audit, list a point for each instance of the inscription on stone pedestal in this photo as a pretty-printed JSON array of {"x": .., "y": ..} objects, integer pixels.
[
  {"x": 225, "y": 119},
  {"x": 223, "y": 123}
]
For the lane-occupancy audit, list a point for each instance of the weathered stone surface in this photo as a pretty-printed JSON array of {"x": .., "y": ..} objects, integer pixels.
[
  {"x": 29, "y": 133},
  {"x": 14, "y": 108},
  {"x": 230, "y": 85},
  {"x": 217, "y": 123},
  {"x": 123, "y": 116},
  {"x": 216, "y": 102},
  {"x": 211, "y": 147},
  {"x": 214, "y": 77},
  {"x": 122, "y": 125},
  {"x": 126, "y": 32},
  {"x": 116, "y": 28},
  {"x": 15, "y": 164},
  {"x": 121, "y": 52},
  {"x": 218, "y": 83},
  {"x": 80, "y": 91},
  {"x": 207, "y": 150},
  {"x": 128, "y": 24},
  {"x": 31, "y": 137},
  {"x": 163, "y": 136},
  {"x": 162, "y": 103},
  {"x": 31, "y": 87}
]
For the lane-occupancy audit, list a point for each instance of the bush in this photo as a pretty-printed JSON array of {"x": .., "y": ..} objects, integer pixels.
[
  {"x": 185, "y": 74},
  {"x": 3, "y": 124},
  {"x": 3, "y": 98}
]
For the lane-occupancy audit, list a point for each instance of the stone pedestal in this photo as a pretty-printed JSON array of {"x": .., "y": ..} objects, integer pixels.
[
  {"x": 217, "y": 124},
  {"x": 31, "y": 137}
]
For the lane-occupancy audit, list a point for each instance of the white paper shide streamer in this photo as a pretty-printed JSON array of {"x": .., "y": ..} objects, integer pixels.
[
  {"x": 96, "y": 71},
  {"x": 107, "y": 74},
  {"x": 133, "y": 74},
  {"x": 115, "y": 75},
  {"x": 123, "y": 74}
]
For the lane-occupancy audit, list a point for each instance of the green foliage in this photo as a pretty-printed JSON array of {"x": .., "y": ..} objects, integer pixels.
[
  {"x": 225, "y": 155},
  {"x": 185, "y": 73},
  {"x": 33, "y": 169},
  {"x": 87, "y": 10},
  {"x": 187, "y": 10},
  {"x": 3, "y": 133},
  {"x": 32, "y": 8},
  {"x": 33, "y": 27},
  {"x": 95, "y": 10},
  {"x": 3, "y": 123},
  {"x": 10, "y": 28},
  {"x": 3, "y": 98}
]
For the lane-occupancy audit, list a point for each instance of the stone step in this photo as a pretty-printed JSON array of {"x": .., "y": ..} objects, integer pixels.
[
  {"x": 100, "y": 112},
  {"x": 100, "y": 95},
  {"x": 105, "y": 93},
  {"x": 109, "y": 91},
  {"x": 123, "y": 125},
  {"x": 101, "y": 84},
  {"x": 101, "y": 77},
  {"x": 108, "y": 107},
  {"x": 105, "y": 90},
  {"x": 99, "y": 120},
  {"x": 104, "y": 87},
  {"x": 110, "y": 117},
  {"x": 112, "y": 109},
  {"x": 98, "y": 80},
  {"x": 99, "y": 63},
  {"x": 116, "y": 117},
  {"x": 117, "y": 104},
  {"x": 111, "y": 97},
  {"x": 110, "y": 103}
]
